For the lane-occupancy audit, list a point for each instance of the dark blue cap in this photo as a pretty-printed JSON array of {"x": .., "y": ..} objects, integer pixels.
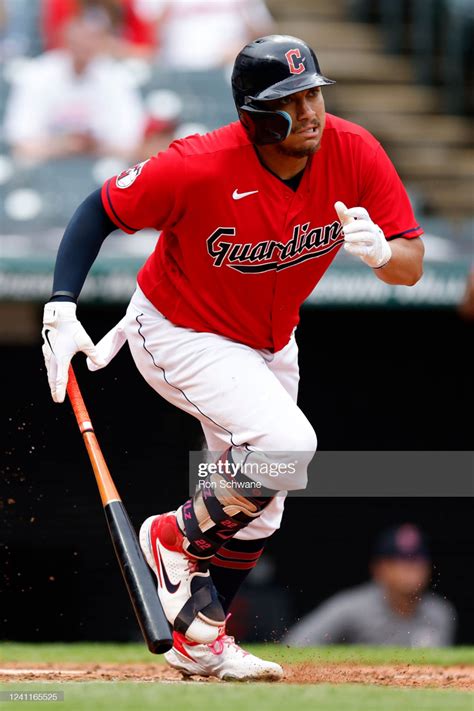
[{"x": 405, "y": 541}]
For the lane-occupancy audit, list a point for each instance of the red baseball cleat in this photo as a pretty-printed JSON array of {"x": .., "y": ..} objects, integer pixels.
[{"x": 185, "y": 587}]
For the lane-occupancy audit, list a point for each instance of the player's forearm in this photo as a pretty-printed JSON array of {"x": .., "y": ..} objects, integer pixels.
[
  {"x": 82, "y": 240},
  {"x": 406, "y": 263}
]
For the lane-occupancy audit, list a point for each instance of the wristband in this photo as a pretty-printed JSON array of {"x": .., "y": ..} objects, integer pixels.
[{"x": 67, "y": 294}]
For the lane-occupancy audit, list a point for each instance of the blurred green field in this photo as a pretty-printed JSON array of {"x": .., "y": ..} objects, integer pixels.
[
  {"x": 189, "y": 696},
  {"x": 198, "y": 696},
  {"x": 130, "y": 653}
]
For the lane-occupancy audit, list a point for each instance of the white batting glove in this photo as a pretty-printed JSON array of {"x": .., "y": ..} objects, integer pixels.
[
  {"x": 63, "y": 336},
  {"x": 362, "y": 237}
]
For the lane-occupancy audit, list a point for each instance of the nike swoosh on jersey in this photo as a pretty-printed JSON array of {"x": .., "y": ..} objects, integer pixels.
[
  {"x": 238, "y": 196},
  {"x": 171, "y": 587}
]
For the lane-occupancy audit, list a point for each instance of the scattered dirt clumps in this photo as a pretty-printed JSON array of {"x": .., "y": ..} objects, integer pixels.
[{"x": 404, "y": 675}]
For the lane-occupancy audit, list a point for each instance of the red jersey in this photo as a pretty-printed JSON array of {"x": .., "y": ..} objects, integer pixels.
[{"x": 240, "y": 250}]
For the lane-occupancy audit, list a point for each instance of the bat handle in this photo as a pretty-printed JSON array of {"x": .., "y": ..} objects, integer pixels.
[
  {"x": 107, "y": 489},
  {"x": 78, "y": 406}
]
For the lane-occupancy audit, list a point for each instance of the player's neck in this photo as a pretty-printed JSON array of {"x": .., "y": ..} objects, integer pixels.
[{"x": 282, "y": 165}]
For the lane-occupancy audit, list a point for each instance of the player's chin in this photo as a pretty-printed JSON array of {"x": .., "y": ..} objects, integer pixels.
[
  {"x": 301, "y": 148},
  {"x": 311, "y": 145}
]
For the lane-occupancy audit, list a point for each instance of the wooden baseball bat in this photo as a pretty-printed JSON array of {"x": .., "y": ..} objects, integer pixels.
[{"x": 138, "y": 579}]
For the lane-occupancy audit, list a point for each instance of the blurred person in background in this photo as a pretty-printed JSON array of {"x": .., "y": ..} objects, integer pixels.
[
  {"x": 202, "y": 34},
  {"x": 393, "y": 609},
  {"x": 19, "y": 28},
  {"x": 133, "y": 23},
  {"x": 75, "y": 101}
]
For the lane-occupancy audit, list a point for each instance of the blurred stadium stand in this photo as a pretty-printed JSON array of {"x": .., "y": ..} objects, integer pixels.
[
  {"x": 19, "y": 35},
  {"x": 378, "y": 54},
  {"x": 380, "y": 51}
]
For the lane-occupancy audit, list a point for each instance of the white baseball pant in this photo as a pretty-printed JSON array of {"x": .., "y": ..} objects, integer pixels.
[{"x": 240, "y": 395}]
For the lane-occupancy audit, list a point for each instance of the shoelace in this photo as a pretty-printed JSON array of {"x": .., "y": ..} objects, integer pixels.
[
  {"x": 197, "y": 565},
  {"x": 192, "y": 565},
  {"x": 224, "y": 640}
]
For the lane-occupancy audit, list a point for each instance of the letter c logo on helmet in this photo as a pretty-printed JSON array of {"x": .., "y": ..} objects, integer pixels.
[{"x": 295, "y": 68}]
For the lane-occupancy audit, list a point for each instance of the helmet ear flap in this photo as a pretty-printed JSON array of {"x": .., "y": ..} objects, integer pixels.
[
  {"x": 286, "y": 116},
  {"x": 265, "y": 127}
]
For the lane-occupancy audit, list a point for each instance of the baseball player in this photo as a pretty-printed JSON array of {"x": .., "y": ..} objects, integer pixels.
[{"x": 251, "y": 216}]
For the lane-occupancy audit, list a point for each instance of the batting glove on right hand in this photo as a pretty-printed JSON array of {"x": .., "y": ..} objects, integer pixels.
[
  {"x": 362, "y": 237},
  {"x": 63, "y": 336}
]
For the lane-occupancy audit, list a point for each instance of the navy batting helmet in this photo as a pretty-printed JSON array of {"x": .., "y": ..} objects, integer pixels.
[{"x": 270, "y": 68}]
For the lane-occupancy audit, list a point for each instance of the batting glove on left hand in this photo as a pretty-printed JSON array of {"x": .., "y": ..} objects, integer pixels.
[
  {"x": 362, "y": 237},
  {"x": 63, "y": 336}
]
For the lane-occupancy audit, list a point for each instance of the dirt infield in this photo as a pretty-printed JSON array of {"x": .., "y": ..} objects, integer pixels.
[{"x": 404, "y": 675}]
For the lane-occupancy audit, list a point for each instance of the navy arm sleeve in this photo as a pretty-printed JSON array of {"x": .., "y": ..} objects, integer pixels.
[{"x": 80, "y": 245}]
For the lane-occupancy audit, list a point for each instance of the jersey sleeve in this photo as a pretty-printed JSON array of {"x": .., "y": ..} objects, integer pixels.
[
  {"x": 385, "y": 198},
  {"x": 147, "y": 195}
]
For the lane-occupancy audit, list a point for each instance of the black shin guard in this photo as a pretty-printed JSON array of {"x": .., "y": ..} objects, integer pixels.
[{"x": 217, "y": 512}]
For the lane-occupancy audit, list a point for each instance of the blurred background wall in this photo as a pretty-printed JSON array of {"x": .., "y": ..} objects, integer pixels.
[{"x": 404, "y": 71}]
